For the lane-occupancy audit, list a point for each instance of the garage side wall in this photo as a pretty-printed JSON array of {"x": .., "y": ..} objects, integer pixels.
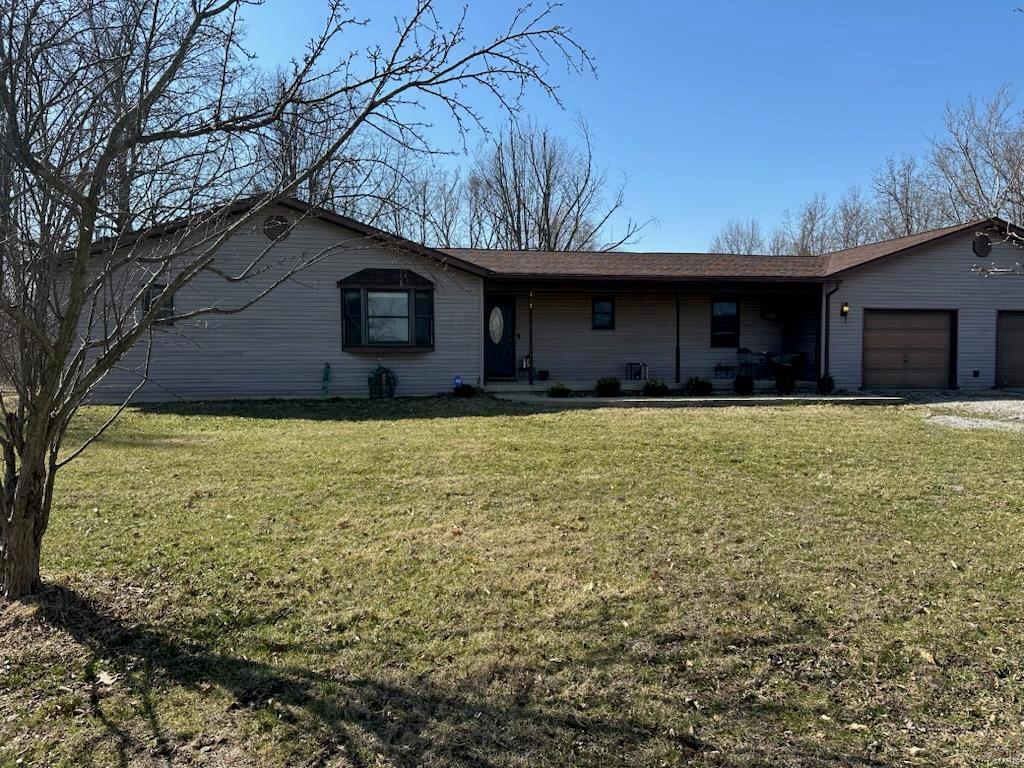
[
  {"x": 278, "y": 347},
  {"x": 936, "y": 276}
]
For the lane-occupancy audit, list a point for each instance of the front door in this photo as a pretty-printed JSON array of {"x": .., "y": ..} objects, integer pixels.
[{"x": 500, "y": 337}]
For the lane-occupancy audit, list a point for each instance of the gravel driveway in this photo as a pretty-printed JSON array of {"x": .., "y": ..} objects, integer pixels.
[{"x": 1000, "y": 410}]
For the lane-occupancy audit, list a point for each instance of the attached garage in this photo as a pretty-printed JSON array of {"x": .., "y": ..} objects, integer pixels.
[
  {"x": 908, "y": 349},
  {"x": 1010, "y": 349}
]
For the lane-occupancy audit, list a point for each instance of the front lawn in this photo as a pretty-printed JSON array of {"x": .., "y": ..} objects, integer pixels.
[{"x": 478, "y": 584}]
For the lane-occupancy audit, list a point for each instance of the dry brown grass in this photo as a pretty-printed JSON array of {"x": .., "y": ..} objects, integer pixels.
[{"x": 471, "y": 583}]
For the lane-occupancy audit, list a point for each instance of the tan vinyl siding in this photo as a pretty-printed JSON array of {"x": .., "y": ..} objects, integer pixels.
[
  {"x": 278, "y": 347},
  {"x": 935, "y": 276}
]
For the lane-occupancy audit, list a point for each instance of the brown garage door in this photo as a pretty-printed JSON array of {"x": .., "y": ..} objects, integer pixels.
[
  {"x": 1010, "y": 349},
  {"x": 907, "y": 349}
]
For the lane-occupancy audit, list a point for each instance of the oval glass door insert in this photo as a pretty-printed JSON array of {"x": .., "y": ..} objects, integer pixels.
[{"x": 496, "y": 325}]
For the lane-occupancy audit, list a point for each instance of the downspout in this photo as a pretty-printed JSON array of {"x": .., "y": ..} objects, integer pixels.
[
  {"x": 531, "y": 338},
  {"x": 828, "y": 326},
  {"x": 678, "y": 376}
]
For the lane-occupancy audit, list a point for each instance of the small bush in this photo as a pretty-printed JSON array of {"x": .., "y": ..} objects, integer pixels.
[
  {"x": 826, "y": 386},
  {"x": 465, "y": 390},
  {"x": 559, "y": 390},
  {"x": 785, "y": 380},
  {"x": 697, "y": 387},
  {"x": 655, "y": 388},
  {"x": 609, "y": 386},
  {"x": 743, "y": 384}
]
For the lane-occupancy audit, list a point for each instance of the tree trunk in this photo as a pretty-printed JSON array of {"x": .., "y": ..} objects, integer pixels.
[
  {"x": 26, "y": 513},
  {"x": 20, "y": 547}
]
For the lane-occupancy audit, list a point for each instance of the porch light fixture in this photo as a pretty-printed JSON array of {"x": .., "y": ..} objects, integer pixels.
[{"x": 844, "y": 311}]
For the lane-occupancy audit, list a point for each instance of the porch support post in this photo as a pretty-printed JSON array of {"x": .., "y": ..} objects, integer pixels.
[
  {"x": 678, "y": 377},
  {"x": 827, "y": 328},
  {"x": 530, "y": 323}
]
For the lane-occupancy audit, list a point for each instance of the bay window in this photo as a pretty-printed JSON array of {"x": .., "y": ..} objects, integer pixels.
[{"x": 387, "y": 309}]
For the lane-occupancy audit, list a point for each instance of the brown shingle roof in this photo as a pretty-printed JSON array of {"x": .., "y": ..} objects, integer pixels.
[
  {"x": 695, "y": 266},
  {"x": 855, "y": 257},
  {"x": 639, "y": 266}
]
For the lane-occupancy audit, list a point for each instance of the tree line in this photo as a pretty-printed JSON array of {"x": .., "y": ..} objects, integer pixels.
[
  {"x": 524, "y": 187},
  {"x": 974, "y": 169}
]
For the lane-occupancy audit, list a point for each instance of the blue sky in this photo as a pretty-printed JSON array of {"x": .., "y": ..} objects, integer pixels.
[{"x": 732, "y": 108}]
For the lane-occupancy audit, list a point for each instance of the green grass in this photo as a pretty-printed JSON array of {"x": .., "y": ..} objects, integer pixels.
[{"x": 475, "y": 583}]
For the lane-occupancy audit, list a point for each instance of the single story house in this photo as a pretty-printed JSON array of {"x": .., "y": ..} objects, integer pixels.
[{"x": 899, "y": 314}]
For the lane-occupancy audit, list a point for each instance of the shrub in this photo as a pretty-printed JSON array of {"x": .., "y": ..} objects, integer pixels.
[
  {"x": 655, "y": 388},
  {"x": 826, "y": 386},
  {"x": 743, "y": 384},
  {"x": 697, "y": 387},
  {"x": 559, "y": 390},
  {"x": 609, "y": 386},
  {"x": 465, "y": 390},
  {"x": 785, "y": 380}
]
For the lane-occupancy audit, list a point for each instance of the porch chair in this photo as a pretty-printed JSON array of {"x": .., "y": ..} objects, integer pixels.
[
  {"x": 636, "y": 371},
  {"x": 747, "y": 362}
]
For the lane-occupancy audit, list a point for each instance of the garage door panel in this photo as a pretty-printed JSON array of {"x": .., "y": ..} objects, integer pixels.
[
  {"x": 906, "y": 349},
  {"x": 1010, "y": 349},
  {"x": 937, "y": 359},
  {"x": 891, "y": 380},
  {"x": 884, "y": 359}
]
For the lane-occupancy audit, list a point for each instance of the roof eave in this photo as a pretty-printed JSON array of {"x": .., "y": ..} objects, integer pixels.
[
  {"x": 385, "y": 237},
  {"x": 564, "y": 277},
  {"x": 993, "y": 221}
]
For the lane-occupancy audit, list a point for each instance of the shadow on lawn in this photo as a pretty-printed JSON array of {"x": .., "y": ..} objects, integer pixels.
[
  {"x": 356, "y": 718},
  {"x": 361, "y": 721},
  {"x": 338, "y": 409}
]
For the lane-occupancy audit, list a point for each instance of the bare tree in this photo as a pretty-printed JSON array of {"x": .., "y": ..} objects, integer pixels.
[
  {"x": 854, "y": 220},
  {"x": 979, "y": 161},
  {"x": 530, "y": 190},
  {"x": 144, "y": 111},
  {"x": 807, "y": 232},
  {"x": 739, "y": 236}
]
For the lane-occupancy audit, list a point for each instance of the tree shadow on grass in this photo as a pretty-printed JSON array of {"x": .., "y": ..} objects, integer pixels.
[
  {"x": 353, "y": 719},
  {"x": 338, "y": 409},
  {"x": 343, "y": 719}
]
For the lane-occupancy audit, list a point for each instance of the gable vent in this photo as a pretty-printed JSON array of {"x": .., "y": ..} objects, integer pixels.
[
  {"x": 982, "y": 245},
  {"x": 276, "y": 227}
]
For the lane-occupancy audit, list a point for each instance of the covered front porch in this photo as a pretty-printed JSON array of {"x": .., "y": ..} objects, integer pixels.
[{"x": 574, "y": 333}]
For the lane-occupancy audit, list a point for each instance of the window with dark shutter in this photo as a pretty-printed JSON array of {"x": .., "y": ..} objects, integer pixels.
[{"x": 387, "y": 309}]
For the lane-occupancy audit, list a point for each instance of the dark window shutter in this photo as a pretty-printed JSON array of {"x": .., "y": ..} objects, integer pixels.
[
  {"x": 424, "y": 313},
  {"x": 352, "y": 303}
]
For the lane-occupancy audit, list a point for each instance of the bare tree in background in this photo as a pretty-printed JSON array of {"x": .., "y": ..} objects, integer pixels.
[
  {"x": 526, "y": 189},
  {"x": 809, "y": 231},
  {"x": 905, "y": 199},
  {"x": 739, "y": 236},
  {"x": 854, "y": 221},
  {"x": 121, "y": 112},
  {"x": 979, "y": 161},
  {"x": 531, "y": 190}
]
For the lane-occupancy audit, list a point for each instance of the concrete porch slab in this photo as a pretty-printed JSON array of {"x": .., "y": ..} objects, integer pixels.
[{"x": 713, "y": 401}]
